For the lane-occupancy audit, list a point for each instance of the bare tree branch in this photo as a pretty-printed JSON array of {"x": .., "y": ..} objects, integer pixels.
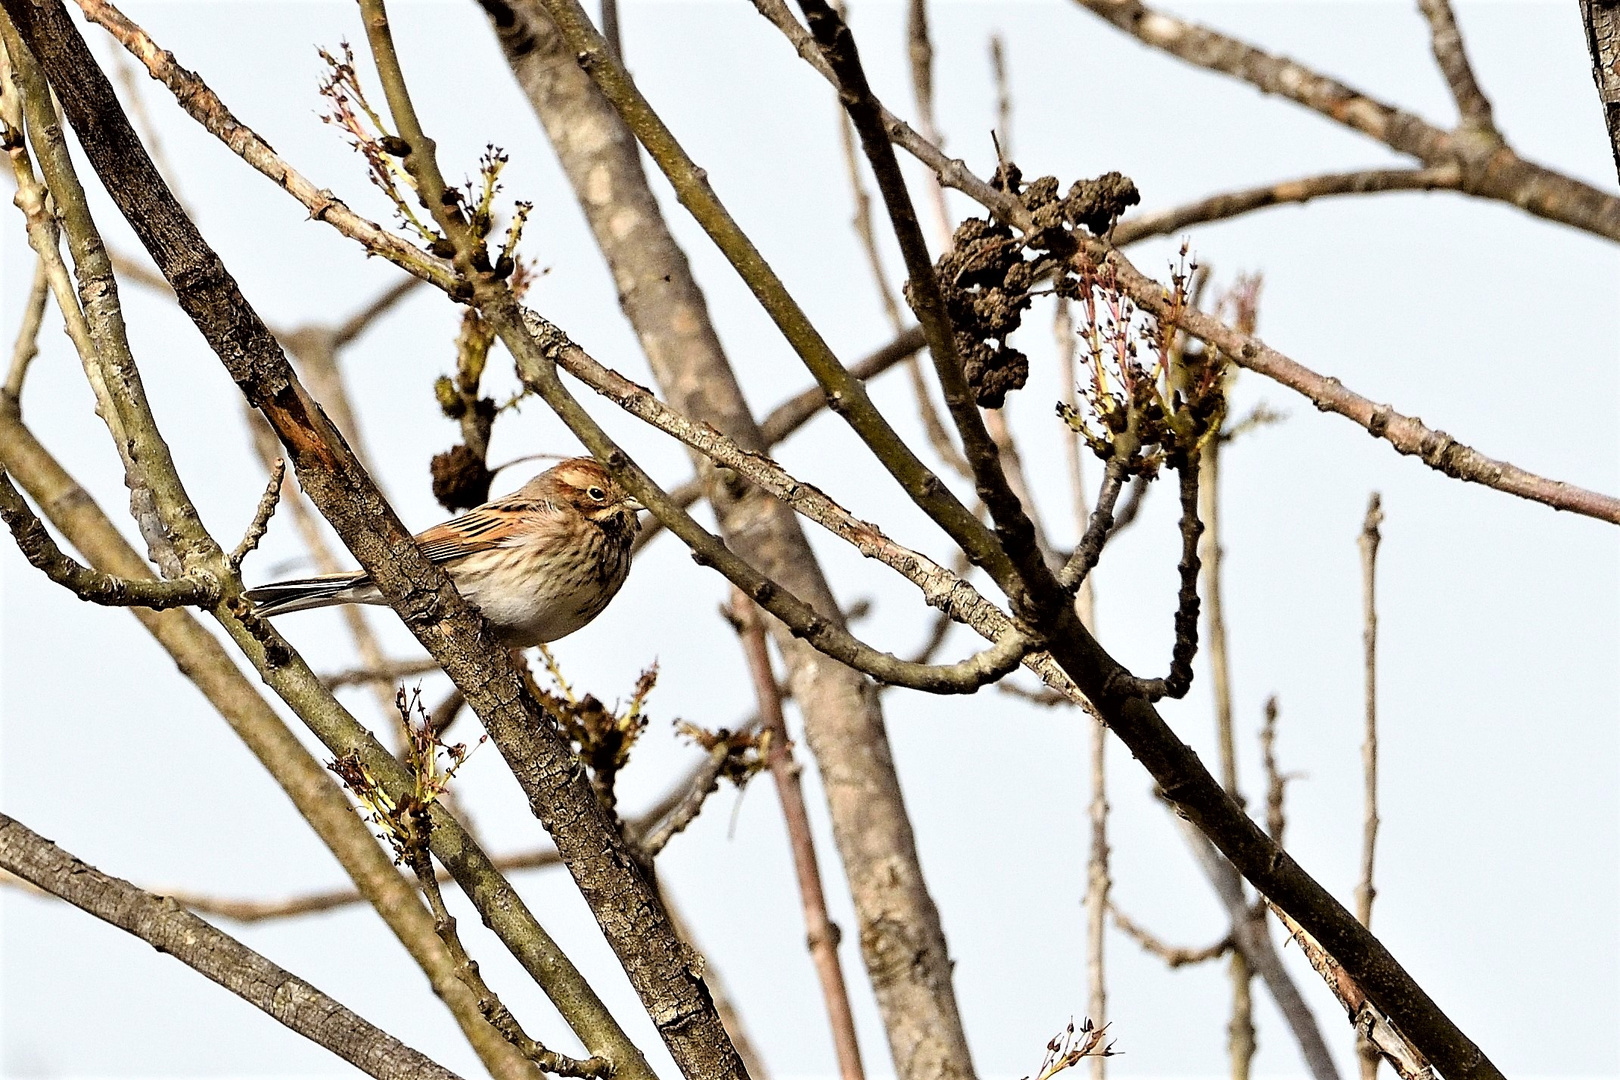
[
  {"x": 1602, "y": 21},
  {"x": 162, "y": 924},
  {"x": 1237, "y": 203},
  {"x": 87, "y": 584},
  {"x": 1474, "y": 107},
  {"x": 821, "y": 934},
  {"x": 1406, "y": 1058},
  {"x": 1174, "y": 956},
  {"x": 435, "y": 610},
  {"x": 1251, "y": 936},
  {"x": 27, "y": 344},
  {"x": 1368, "y": 543},
  {"x": 1490, "y": 169}
]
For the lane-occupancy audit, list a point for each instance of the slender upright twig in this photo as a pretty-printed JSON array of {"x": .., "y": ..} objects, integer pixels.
[
  {"x": 821, "y": 933},
  {"x": 920, "y": 53},
  {"x": 27, "y": 343},
  {"x": 938, "y": 437},
  {"x": 1368, "y": 543},
  {"x": 1446, "y": 40}
]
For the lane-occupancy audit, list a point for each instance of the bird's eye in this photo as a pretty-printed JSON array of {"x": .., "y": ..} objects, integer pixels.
[{"x": 596, "y": 493}]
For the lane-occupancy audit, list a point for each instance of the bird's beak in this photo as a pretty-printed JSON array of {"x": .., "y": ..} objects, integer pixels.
[{"x": 630, "y": 503}]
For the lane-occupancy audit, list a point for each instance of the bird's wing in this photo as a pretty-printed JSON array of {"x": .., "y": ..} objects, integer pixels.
[{"x": 491, "y": 525}]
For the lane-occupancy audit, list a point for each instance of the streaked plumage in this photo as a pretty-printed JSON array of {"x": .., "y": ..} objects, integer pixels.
[{"x": 540, "y": 563}]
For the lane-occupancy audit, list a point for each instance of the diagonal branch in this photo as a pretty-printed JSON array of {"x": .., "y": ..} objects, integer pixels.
[
  {"x": 1491, "y": 169},
  {"x": 167, "y": 927},
  {"x": 1446, "y": 39},
  {"x": 1408, "y": 434},
  {"x": 624, "y": 900},
  {"x": 847, "y": 397}
]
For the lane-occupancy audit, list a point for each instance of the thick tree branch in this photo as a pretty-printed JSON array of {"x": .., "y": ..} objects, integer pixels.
[
  {"x": 624, "y": 900},
  {"x": 167, "y": 927},
  {"x": 1602, "y": 21}
]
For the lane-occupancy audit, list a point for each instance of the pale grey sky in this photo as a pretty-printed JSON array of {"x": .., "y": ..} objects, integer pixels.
[{"x": 1499, "y": 860}]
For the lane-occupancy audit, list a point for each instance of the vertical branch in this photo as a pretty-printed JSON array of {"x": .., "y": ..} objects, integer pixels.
[
  {"x": 1602, "y": 21},
  {"x": 1368, "y": 543},
  {"x": 1240, "y": 1031},
  {"x": 1098, "y": 884},
  {"x": 933, "y": 426},
  {"x": 821, "y": 933},
  {"x": 1472, "y": 105},
  {"x": 920, "y": 50},
  {"x": 1098, "y": 881},
  {"x": 998, "y": 71},
  {"x": 27, "y": 344}
]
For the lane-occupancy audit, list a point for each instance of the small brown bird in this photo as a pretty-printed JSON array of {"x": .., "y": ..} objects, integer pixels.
[{"x": 540, "y": 563}]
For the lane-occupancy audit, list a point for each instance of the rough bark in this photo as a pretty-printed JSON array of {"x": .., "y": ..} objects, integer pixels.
[
  {"x": 169, "y": 928},
  {"x": 1602, "y": 20},
  {"x": 663, "y": 970},
  {"x": 902, "y": 941}
]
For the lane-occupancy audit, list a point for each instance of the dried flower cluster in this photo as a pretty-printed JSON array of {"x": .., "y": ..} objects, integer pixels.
[
  {"x": 1147, "y": 400},
  {"x": 384, "y": 152},
  {"x": 432, "y": 763},
  {"x": 1071, "y": 1046}
]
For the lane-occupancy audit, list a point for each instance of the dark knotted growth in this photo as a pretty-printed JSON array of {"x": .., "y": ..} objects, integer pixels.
[
  {"x": 987, "y": 277},
  {"x": 461, "y": 474}
]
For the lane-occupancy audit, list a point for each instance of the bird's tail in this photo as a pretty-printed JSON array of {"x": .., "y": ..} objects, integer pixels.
[{"x": 300, "y": 594}]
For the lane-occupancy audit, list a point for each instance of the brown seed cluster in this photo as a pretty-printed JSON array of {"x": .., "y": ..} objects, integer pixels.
[{"x": 988, "y": 274}]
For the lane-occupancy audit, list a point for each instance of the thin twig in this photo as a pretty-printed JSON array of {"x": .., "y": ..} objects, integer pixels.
[
  {"x": 821, "y": 934},
  {"x": 1174, "y": 956},
  {"x": 362, "y": 320},
  {"x": 920, "y": 53},
  {"x": 491, "y": 1006},
  {"x": 1233, "y": 204},
  {"x": 388, "y": 673},
  {"x": 933, "y": 427},
  {"x": 261, "y": 516},
  {"x": 1368, "y": 543},
  {"x": 1098, "y": 886},
  {"x": 1276, "y": 780},
  {"x": 109, "y": 590},
  {"x": 1490, "y": 169},
  {"x": 1446, "y": 39},
  {"x": 543, "y": 345},
  {"x": 27, "y": 344}
]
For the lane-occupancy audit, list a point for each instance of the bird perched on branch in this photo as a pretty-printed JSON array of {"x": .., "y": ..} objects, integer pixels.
[{"x": 540, "y": 563}]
